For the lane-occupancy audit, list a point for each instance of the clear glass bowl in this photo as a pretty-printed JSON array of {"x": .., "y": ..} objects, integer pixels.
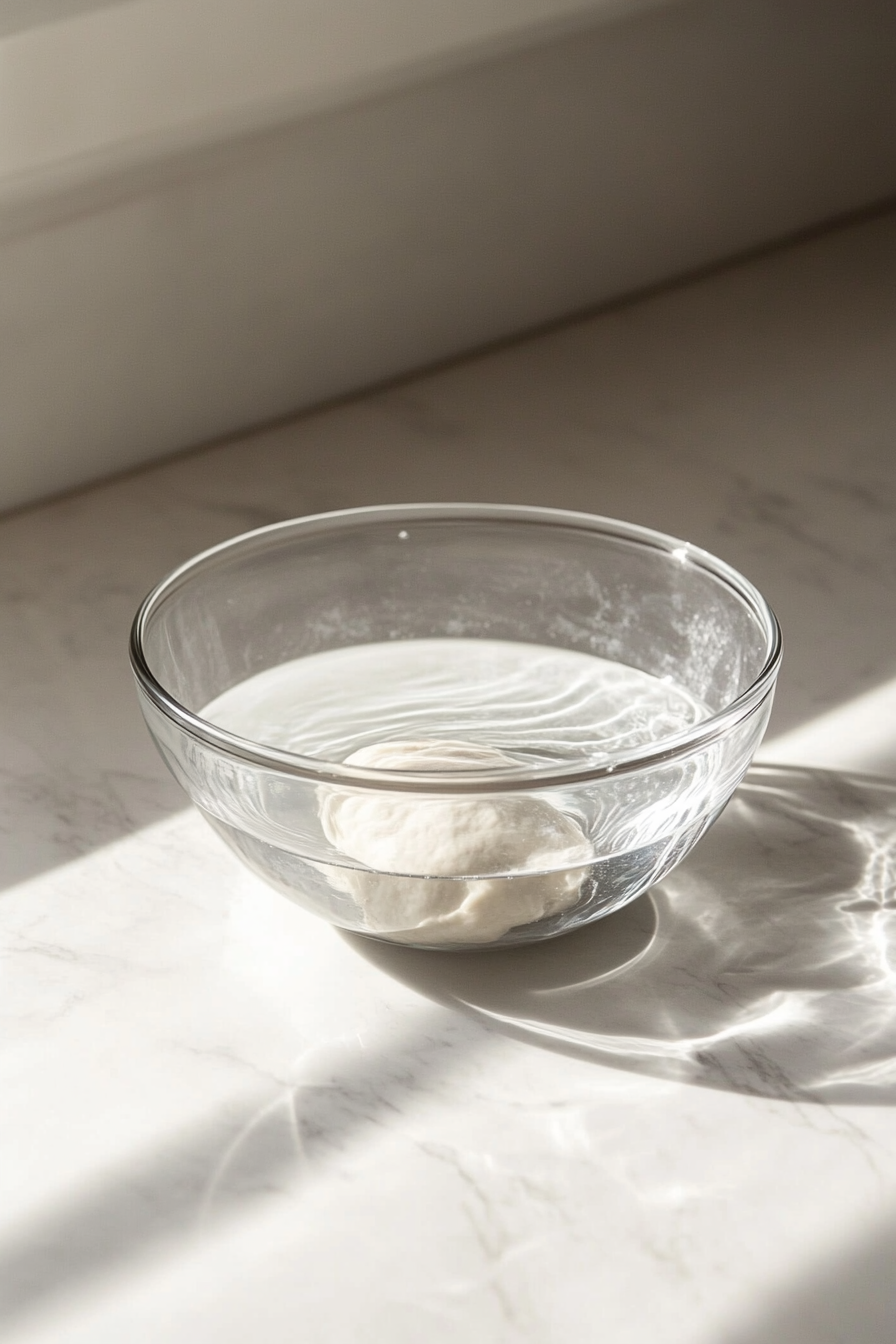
[{"x": 529, "y": 575}]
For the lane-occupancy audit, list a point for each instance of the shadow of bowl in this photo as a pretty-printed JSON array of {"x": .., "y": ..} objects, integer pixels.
[{"x": 765, "y": 964}]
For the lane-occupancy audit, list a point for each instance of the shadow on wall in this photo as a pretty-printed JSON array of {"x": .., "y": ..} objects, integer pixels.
[{"x": 766, "y": 963}]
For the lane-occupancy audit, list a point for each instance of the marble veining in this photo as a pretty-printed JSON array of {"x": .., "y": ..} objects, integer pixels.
[{"x": 223, "y": 1120}]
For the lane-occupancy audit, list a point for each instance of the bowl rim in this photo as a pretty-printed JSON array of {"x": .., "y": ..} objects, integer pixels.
[{"x": 509, "y": 779}]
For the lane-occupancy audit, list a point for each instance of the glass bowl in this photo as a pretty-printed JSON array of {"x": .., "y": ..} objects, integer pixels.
[{"x": 551, "y": 709}]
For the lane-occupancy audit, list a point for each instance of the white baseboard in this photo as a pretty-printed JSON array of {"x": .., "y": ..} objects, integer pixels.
[{"x": 169, "y": 273}]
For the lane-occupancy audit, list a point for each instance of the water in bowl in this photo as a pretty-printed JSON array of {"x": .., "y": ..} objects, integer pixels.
[
  {"x": 508, "y": 704},
  {"x": 537, "y": 705}
]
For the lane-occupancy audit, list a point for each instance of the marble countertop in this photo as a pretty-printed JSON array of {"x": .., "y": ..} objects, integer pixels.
[{"x": 224, "y": 1121}]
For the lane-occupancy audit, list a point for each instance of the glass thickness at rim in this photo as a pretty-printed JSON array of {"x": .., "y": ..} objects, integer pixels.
[{"x": 673, "y": 748}]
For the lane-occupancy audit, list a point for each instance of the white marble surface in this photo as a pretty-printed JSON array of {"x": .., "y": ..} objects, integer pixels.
[{"x": 224, "y": 1121}]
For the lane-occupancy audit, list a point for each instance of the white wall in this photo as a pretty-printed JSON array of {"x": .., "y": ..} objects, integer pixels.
[{"x": 161, "y": 287}]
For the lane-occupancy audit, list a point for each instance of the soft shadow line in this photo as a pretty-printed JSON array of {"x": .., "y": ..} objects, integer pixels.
[
  {"x": 851, "y": 1297},
  {"x": 245, "y": 1151}
]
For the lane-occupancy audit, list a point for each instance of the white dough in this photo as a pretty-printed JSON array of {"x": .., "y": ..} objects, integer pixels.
[{"x": 451, "y": 840}]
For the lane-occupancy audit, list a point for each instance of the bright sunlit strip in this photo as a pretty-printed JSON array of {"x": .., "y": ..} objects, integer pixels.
[{"x": 860, "y": 735}]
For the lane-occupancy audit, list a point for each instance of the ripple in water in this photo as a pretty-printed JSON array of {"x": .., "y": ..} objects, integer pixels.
[{"x": 537, "y": 704}]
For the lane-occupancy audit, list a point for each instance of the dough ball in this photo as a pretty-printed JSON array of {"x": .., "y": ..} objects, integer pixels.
[{"x": 434, "y": 858}]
